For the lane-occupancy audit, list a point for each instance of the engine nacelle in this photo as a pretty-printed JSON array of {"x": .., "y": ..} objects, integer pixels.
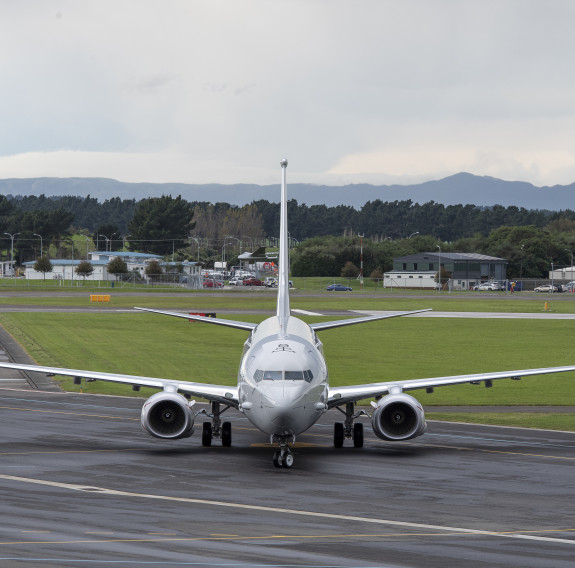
[
  {"x": 168, "y": 415},
  {"x": 398, "y": 417}
]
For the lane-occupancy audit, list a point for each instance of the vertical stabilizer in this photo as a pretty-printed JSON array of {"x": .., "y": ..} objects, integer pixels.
[{"x": 283, "y": 310}]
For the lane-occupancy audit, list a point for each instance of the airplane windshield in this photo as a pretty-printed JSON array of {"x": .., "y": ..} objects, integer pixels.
[{"x": 260, "y": 375}]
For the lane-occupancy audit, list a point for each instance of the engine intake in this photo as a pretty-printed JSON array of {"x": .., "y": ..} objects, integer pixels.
[
  {"x": 398, "y": 417},
  {"x": 168, "y": 415}
]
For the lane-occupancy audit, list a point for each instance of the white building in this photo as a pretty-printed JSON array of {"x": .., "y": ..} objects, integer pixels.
[
  {"x": 65, "y": 270},
  {"x": 135, "y": 261},
  {"x": 424, "y": 279}
]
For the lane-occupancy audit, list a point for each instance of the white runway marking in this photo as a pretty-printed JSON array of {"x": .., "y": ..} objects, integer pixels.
[
  {"x": 306, "y": 313},
  {"x": 440, "y": 528},
  {"x": 476, "y": 315}
]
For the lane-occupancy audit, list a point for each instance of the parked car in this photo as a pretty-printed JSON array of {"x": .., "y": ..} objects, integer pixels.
[
  {"x": 338, "y": 288},
  {"x": 493, "y": 286},
  {"x": 252, "y": 282},
  {"x": 546, "y": 288},
  {"x": 270, "y": 282},
  {"x": 569, "y": 288},
  {"x": 213, "y": 284},
  {"x": 236, "y": 281}
]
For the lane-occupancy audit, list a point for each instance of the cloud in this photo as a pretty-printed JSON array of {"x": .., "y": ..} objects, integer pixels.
[{"x": 214, "y": 90}]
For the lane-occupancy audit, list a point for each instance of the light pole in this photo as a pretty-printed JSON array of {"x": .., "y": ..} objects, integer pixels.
[
  {"x": 12, "y": 237},
  {"x": 198, "y": 243},
  {"x": 105, "y": 237},
  {"x": 41, "y": 253},
  {"x": 124, "y": 242},
  {"x": 413, "y": 234},
  {"x": 111, "y": 237},
  {"x": 439, "y": 269},
  {"x": 571, "y": 253},
  {"x": 360, "y": 260}
]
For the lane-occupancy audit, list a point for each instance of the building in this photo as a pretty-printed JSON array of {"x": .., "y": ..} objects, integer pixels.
[
  {"x": 187, "y": 272},
  {"x": 464, "y": 270}
]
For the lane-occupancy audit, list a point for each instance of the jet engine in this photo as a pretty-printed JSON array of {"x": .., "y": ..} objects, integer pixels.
[
  {"x": 398, "y": 417},
  {"x": 168, "y": 415}
]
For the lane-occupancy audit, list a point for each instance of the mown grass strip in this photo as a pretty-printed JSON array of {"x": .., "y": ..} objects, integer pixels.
[{"x": 153, "y": 345}]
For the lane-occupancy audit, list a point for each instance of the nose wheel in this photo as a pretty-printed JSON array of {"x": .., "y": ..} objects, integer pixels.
[{"x": 283, "y": 458}]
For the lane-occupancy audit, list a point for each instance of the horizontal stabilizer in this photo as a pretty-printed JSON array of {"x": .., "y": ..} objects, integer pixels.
[
  {"x": 352, "y": 321},
  {"x": 246, "y": 326}
]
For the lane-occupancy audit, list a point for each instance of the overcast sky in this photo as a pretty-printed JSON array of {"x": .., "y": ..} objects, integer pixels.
[{"x": 377, "y": 91}]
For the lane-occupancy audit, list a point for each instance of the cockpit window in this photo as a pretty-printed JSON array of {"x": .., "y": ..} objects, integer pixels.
[
  {"x": 272, "y": 376},
  {"x": 260, "y": 375},
  {"x": 293, "y": 375}
]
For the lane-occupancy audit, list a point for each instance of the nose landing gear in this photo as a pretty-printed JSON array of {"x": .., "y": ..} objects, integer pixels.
[{"x": 283, "y": 457}]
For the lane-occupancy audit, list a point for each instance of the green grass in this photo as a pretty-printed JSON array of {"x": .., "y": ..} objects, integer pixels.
[
  {"x": 152, "y": 345},
  {"x": 543, "y": 420},
  {"x": 321, "y": 300}
]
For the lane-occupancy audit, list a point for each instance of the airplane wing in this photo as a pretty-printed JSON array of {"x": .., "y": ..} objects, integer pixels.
[
  {"x": 246, "y": 326},
  {"x": 216, "y": 393},
  {"x": 341, "y": 395},
  {"x": 321, "y": 326}
]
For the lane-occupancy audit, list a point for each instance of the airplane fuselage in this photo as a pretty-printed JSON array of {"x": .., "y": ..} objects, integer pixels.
[{"x": 283, "y": 378}]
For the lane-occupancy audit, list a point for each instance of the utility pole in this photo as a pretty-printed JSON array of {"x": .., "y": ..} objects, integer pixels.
[{"x": 360, "y": 260}]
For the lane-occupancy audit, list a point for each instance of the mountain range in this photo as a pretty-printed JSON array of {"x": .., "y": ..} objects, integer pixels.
[{"x": 462, "y": 188}]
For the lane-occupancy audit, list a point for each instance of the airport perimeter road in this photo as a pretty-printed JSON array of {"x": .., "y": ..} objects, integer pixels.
[{"x": 82, "y": 485}]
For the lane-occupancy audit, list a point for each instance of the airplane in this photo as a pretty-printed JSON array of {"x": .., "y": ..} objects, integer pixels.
[{"x": 283, "y": 383}]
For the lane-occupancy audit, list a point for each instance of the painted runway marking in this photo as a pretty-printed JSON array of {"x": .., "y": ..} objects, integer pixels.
[
  {"x": 282, "y": 511},
  {"x": 306, "y": 313}
]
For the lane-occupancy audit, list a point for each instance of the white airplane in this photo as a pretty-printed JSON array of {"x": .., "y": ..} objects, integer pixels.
[{"x": 283, "y": 385}]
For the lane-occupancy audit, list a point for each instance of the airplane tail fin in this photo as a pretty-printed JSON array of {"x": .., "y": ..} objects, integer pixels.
[{"x": 283, "y": 309}]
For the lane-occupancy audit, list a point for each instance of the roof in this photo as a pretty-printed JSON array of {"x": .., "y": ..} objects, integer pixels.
[
  {"x": 462, "y": 256},
  {"x": 68, "y": 262},
  {"x": 124, "y": 254}
]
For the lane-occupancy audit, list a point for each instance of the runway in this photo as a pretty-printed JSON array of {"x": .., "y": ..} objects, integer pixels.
[{"x": 83, "y": 485}]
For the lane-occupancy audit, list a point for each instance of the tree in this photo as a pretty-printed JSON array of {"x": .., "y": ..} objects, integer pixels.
[
  {"x": 153, "y": 268},
  {"x": 84, "y": 269},
  {"x": 117, "y": 266},
  {"x": 350, "y": 270},
  {"x": 43, "y": 265},
  {"x": 161, "y": 224}
]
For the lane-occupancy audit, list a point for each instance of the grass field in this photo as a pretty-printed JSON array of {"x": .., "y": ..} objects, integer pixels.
[
  {"x": 153, "y": 345},
  {"x": 265, "y": 299}
]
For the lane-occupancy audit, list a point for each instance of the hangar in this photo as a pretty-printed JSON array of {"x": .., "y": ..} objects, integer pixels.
[{"x": 464, "y": 270}]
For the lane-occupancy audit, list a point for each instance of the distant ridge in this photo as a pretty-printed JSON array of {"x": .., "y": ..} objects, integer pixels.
[{"x": 462, "y": 188}]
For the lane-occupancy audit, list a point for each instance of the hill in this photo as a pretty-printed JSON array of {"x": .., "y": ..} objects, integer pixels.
[{"x": 462, "y": 188}]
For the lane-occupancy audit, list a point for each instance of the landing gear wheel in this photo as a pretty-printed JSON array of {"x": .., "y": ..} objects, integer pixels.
[
  {"x": 287, "y": 460},
  {"x": 338, "y": 434},
  {"x": 358, "y": 435},
  {"x": 278, "y": 459},
  {"x": 207, "y": 434},
  {"x": 227, "y": 434}
]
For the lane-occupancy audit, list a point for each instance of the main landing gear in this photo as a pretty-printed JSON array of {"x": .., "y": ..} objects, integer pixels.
[
  {"x": 283, "y": 457},
  {"x": 349, "y": 429},
  {"x": 216, "y": 428}
]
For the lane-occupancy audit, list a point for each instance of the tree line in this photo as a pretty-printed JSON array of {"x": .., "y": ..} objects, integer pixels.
[{"x": 529, "y": 239}]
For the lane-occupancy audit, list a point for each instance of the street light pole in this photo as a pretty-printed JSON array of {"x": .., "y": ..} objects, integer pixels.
[
  {"x": 360, "y": 260},
  {"x": 439, "y": 269},
  {"x": 571, "y": 253},
  {"x": 12, "y": 237},
  {"x": 41, "y": 253}
]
